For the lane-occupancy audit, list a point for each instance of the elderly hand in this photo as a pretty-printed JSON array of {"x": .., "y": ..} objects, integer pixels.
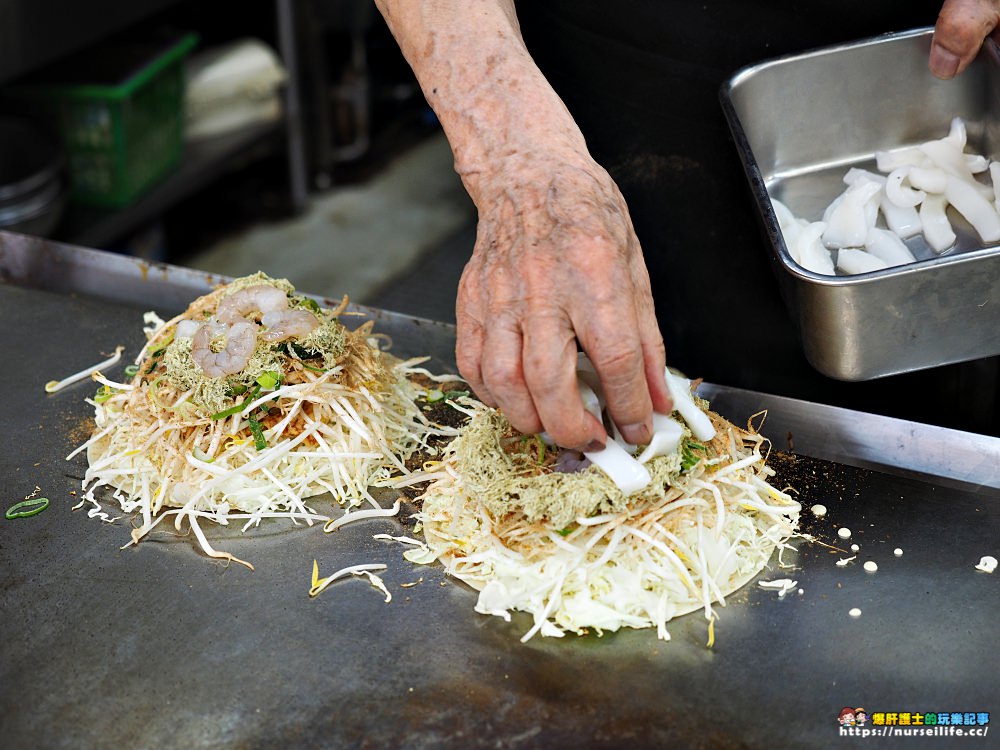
[
  {"x": 961, "y": 28},
  {"x": 557, "y": 261}
]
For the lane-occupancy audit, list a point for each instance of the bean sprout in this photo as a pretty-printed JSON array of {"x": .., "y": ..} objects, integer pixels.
[
  {"x": 338, "y": 429},
  {"x": 679, "y": 545},
  {"x": 57, "y": 385}
]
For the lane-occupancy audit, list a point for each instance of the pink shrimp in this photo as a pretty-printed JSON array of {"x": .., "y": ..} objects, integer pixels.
[
  {"x": 241, "y": 340},
  {"x": 253, "y": 299},
  {"x": 286, "y": 324}
]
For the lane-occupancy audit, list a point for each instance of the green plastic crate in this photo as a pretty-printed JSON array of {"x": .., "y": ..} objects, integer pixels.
[{"x": 121, "y": 138}]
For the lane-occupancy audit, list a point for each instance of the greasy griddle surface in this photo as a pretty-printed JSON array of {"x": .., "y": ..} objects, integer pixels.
[{"x": 157, "y": 646}]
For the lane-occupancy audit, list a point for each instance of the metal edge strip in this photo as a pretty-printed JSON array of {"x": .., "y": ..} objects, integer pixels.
[{"x": 826, "y": 432}]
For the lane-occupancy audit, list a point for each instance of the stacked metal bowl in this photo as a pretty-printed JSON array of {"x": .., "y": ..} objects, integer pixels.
[{"x": 32, "y": 179}]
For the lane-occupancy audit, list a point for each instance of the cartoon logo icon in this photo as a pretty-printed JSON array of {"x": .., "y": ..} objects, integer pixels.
[
  {"x": 847, "y": 717},
  {"x": 860, "y": 716}
]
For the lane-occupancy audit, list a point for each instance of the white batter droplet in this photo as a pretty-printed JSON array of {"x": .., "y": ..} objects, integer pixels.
[
  {"x": 897, "y": 552},
  {"x": 855, "y": 612},
  {"x": 871, "y": 567},
  {"x": 844, "y": 533},
  {"x": 855, "y": 548},
  {"x": 987, "y": 564},
  {"x": 818, "y": 510}
]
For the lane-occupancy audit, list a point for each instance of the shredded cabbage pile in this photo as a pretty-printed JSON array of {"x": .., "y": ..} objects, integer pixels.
[
  {"x": 687, "y": 541},
  {"x": 334, "y": 419}
]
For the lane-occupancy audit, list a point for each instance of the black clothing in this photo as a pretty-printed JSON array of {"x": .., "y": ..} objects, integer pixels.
[{"x": 642, "y": 79}]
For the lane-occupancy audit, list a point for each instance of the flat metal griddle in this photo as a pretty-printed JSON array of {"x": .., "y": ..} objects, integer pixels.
[{"x": 158, "y": 646}]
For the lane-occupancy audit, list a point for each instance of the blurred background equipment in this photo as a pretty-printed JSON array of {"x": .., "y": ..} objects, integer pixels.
[
  {"x": 231, "y": 87},
  {"x": 118, "y": 110},
  {"x": 32, "y": 180},
  {"x": 308, "y": 148}
]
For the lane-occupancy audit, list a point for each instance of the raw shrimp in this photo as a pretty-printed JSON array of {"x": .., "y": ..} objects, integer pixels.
[
  {"x": 186, "y": 328},
  {"x": 241, "y": 340},
  {"x": 286, "y": 324},
  {"x": 253, "y": 299}
]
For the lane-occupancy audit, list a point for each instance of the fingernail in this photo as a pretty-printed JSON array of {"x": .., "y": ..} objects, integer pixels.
[
  {"x": 594, "y": 446},
  {"x": 944, "y": 64},
  {"x": 637, "y": 434}
]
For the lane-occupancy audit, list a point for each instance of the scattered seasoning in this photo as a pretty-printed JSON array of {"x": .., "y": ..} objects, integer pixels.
[
  {"x": 844, "y": 533},
  {"x": 897, "y": 552},
  {"x": 818, "y": 510},
  {"x": 855, "y": 612},
  {"x": 871, "y": 567}
]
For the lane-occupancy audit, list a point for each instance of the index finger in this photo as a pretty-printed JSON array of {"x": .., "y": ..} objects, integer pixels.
[
  {"x": 612, "y": 341},
  {"x": 550, "y": 360}
]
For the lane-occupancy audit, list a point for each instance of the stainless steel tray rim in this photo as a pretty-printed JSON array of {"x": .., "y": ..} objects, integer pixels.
[
  {"x": 856, "y": 328},
  {"x": 892, "y": 36}
]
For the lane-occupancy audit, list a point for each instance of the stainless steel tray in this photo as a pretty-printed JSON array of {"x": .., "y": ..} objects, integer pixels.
[
  {"x": 157, "y": 646},
  {"x": 799, "y": 123}
]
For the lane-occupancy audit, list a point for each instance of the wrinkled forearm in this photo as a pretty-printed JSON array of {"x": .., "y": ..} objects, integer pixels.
[
  {"x": 556, "y": 261},
  {"x": 493, "y": 103}
]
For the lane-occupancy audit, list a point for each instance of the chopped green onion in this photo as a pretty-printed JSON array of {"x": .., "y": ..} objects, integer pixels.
[
  {"x": 314, "y": 369},
  {"x": 311, "y": 304},
  {"x": 162, "y": 346},
  {"x": 132, "y": 370},
  {"x": 155, "y": 354},
  {"x": 565, "y": 532},
  {"x": 103, "y": 394},
  {"x": 153, "y": 362},
  {"x": 237, "y": 390},
  {"x": 434, "y": 396},
  {"x": 269, "y": 380},
  {"x": 455, "y": 394},
  {"x": 33, "y": 507},
  {"x": 239, "y": 407},
  {"x": 258, "y": 434},
  {"x": 297, "y": 352},
  {"x": 689, "y": 457},
  {"x": 540, "y": 444}
]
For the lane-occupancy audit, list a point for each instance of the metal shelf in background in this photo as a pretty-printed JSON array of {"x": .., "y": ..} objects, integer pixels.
[{"x": 202, "y": 162}]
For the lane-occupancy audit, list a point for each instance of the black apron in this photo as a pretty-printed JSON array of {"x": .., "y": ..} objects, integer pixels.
[{"x": 642, "y": 79}]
